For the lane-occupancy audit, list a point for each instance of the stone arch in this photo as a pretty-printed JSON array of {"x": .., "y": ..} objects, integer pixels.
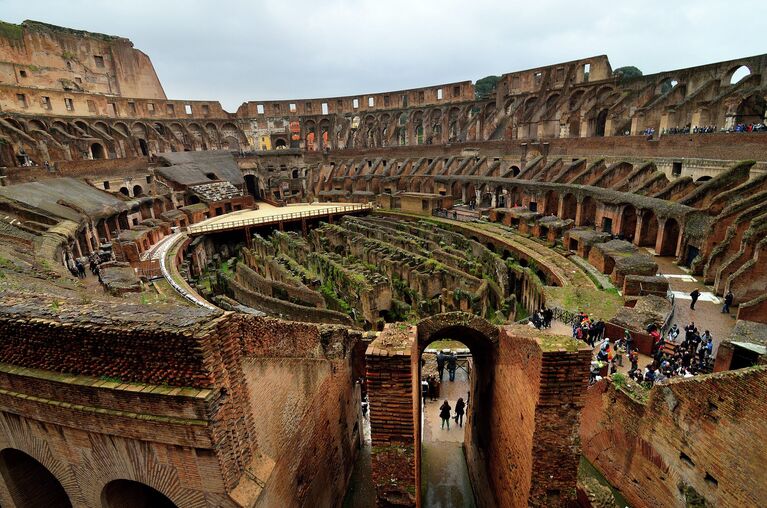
[
  {"x": 98, "y": 151},
  {"x": 670, "y": 237},
  {"x": 122, "y": 128},
  {"x": 569, "y": 206},
  {"x": 132, "y": 494},
  {"x": 552, "y": 203},
  {"x": 30, "y": 483},
  {"x": 81, "y": 125},
  {"x": 515, "y": 171},
  {"x": 481, "y": 338},
  {"x": 736, "y": 74},
  {"x": 628, "y": 222},
  {"x": 600, "y": 123},
  {"x": 665, "y": 85},
  {"x": 751, "y": 109},
  {"x": 37, "y": 124},
  {"x": 137, "y": 190},
  {"x": 648, "y": 233}
]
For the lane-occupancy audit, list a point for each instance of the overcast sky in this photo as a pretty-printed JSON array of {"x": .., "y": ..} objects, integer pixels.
[{"x": 238, "y": 50}]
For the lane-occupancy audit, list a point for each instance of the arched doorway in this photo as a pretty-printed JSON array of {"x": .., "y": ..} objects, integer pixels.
[
  {"x": 751, "y": 110},
  {"x": 29, "y": 483},
  {"x": 628, "y": 222},
  {"x": 130, "y": 494},
  {"x": 97, "y": 151},
  {"x": 251, "y": 183},
  {"x": 552, "y": 203},
  {"x": 481, "y": 339},
  {"x": 648, "y": 233},
  {"x": 137, "y": 190},
  {"x": 588, "y": 211},
  {"x": 599, "y": 128},
  {"x": 569, "y": 207},
  {"x": 124, "y": 191},
  {"x": 143, "y": 147},
  {"x": 670, "y": 238}
]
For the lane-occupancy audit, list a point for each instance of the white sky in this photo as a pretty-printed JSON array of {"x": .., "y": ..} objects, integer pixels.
[{"x": 239, "y": 50}]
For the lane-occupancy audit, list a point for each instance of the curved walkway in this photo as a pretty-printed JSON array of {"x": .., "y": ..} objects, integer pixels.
[{"x": 166, "y": 253}]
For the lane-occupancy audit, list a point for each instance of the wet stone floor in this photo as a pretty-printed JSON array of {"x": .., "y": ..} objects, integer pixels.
[{"x": 444, "y": 476}]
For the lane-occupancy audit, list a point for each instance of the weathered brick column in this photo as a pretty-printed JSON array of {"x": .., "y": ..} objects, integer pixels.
[{"x": 392, "y": 414}]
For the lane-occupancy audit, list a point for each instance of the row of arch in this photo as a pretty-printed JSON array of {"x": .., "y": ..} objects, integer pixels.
[{"x": 31, "y": 485}]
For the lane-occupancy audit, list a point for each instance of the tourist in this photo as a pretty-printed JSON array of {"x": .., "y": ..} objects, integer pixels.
[
  {"x": 628, "y": 340},
  {"x": 694, "y": 295},
  {"x": 459, "y": 410},
  {"x": 444, "y": 413},
  {"x": 80, "y": 269},
  {"x": 441, "y": 363},
  {"x": 451, "y": 365},
  {"x": 634, "y": 359},
  {"x": 673, "y": 333},
  {"x": 727, "y": 302},
  {"x": 433, "y": 388}
]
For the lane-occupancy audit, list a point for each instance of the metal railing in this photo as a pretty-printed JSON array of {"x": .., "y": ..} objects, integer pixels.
[{"x": 256, "y": 221}]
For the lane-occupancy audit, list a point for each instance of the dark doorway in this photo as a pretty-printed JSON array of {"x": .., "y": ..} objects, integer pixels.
[
  {"x": 97, "y": 151},
  {"x": 251, "y": 184},
  {"x": 29, "y": 483},
  {"x": 130, "y": 494},
  {"x": 143, "y": 147},
  {"x": 599, "y": 128}
]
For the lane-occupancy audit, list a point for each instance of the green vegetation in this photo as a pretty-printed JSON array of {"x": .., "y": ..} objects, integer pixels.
[
  {"x": 11, "y": 31},
  {"x": 627, "y": 72},
  {"x": 485, "y": 86}
]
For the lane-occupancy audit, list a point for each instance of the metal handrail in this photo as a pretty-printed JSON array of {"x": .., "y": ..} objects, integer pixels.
[{"x": 277, "y": 218}]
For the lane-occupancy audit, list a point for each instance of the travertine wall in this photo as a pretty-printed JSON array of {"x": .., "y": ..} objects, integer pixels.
[{"x": 692, "y": 437}]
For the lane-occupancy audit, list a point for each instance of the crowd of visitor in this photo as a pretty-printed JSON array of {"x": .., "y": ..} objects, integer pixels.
[
  {"x": 678, "y": 353},
  {"x": 708, "y": 129}
]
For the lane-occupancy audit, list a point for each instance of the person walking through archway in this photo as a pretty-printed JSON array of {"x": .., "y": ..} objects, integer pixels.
[
  {"x": 441, "y": 357},
  {"x": 459, "y": 411},
  {"x": 444, "y": 413},
  {"x": 452, "y": 365}
]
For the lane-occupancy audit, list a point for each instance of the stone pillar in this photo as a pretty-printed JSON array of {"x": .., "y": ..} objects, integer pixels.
[
  {"x": 638, "y": 229},
  {"x": 391, "y": 370},
  {"x": 579, "y": 213}
]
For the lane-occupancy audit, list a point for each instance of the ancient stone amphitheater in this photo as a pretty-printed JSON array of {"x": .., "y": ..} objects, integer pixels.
[{"x": 194, "y": 303}]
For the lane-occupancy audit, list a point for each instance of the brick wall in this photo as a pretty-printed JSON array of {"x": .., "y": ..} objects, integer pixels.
[{"x": 698, "y": 434}]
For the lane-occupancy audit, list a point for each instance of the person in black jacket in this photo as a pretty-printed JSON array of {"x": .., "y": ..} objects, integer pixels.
[
  {"x": 444, "y": 413},
  {"x": 727, "y": 302},
  {"x": 694, "y": 295},
  {"x": 459, "y": 411}
]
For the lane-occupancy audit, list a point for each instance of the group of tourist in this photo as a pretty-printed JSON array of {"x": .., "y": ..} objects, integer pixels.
[
  {"x": 542, "y": 318},
  {"x": 587, "y": 330},
  {"x": 447, "y": 357},
  {"x": 77, "y": 266},
  {"x": 444, "y": 413},
  {"x": 675, "y": 355}
]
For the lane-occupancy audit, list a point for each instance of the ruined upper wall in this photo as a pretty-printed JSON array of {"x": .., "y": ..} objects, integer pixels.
[
  {"x": 436, "y": 95},
  {"x": 39, "y": 55}
]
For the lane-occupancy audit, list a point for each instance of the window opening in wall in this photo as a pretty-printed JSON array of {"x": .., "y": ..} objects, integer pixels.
[
  {"x": 260, "y": 109},
  {"x": 676, "y": 168},
  {"x": 132, "y": 108},
  {"x": 560, "y": 74},
  {"x": 46, "y": 102},
  {"x": 537, "y": 77},
  {"x": 170, "y": 109},
  {"x": 439, "y": 94},
  {"x": 355, "y": 103},
  {"x": 91, "y": 106},
  {"x": 533, "y": 206},
  {"x": 150, "y": 108},
  {"x": 371, "y": 102},
  {"x": 386, "y": 101},
  {"x": 205, "y": 109},
  {"x": 148, "y": 178},
  {"x": 99, "y": 60},
  {"x": 23, "y": 74},
  {"x": 111, "y": 109},
  {"x": 308, "y": 107},
  {"x": 21, "y": 99},
  {"x": 404, "y": 101},
  {"x": 276, "y": 108},
  {"x": 711, "y": 480},
  {"x": 69, "y": 104},
  {"x": 456, "y": 91},
  {"x": 686, "y": 459},
  {"x": 69, "y": 66},
  {"x": 324, "y": 108},
  {"x": 188, "y": 109},
  {"x": 586, "y": 72},
  {"x": 421, "y": 96},
  {"x": 106, "y": 185},
  {"x": 79, "y": 81},
  {"x": 292, "y": 107},
  {"x": 739, "y": 74}
]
